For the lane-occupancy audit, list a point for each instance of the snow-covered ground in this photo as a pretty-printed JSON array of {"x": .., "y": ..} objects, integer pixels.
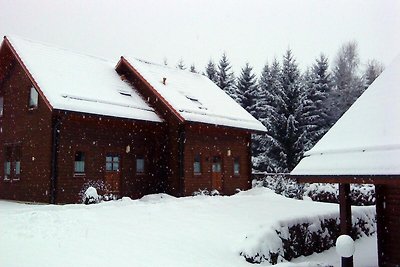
[{"x": 157, "y": 230}]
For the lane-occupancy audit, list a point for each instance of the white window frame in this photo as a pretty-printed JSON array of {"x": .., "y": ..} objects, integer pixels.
[
  {"x": 236, "y": 166},
  {"x": 33, "y": 98},
  {"x": 1, "y": 106},
  {"x": 197, "y": 164},
  {"x": 140, "y": 165}
]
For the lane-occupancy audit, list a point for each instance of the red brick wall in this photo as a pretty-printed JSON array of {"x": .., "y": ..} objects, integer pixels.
[
  {"x": 211, "y": 141},
  {"x": 171, "y": 138},
  {"x": 30, "y": 128},
  {"x": 96, "y": 137}
]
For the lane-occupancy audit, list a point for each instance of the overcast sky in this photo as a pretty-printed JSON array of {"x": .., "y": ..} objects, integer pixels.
[{"x": 251, "y": 31}]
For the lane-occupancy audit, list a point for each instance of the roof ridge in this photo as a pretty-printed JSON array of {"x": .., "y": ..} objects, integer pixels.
[
  {"x": 11, "y": 38},
  {"x": 166, "y": 66}
]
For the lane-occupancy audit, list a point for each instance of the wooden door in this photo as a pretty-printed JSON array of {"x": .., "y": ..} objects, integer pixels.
[
  {"x": 216, "y": 173},
  {"x": 113, "y": 173}
]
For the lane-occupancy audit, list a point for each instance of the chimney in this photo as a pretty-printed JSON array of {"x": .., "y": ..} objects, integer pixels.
[{"x": 164, "y": 80}]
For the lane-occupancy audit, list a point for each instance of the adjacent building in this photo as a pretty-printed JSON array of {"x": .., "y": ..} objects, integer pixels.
[{"x": 70, "y": 120}]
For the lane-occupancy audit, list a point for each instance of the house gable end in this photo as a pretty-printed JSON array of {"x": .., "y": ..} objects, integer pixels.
[{"x": 7, "y": 43}]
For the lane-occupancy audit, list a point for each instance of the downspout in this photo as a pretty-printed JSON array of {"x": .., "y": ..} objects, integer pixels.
[
  {"x": 181, "y": 156},
  {"x": 54, "y": 158}
]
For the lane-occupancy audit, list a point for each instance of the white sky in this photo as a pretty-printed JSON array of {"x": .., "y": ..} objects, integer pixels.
[{"x": 251, "y": 30}]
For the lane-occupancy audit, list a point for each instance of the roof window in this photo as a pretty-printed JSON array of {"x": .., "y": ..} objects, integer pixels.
[
  {"x": 196, "y": 102},
  {"x": 125, "y": 92}
]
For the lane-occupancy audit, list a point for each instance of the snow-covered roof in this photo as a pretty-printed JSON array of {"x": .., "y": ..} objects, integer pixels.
[
  {"x": 366, "y": 139},
  {"x": 195, "y": 97},
  {"x": 77, "y": 82}
]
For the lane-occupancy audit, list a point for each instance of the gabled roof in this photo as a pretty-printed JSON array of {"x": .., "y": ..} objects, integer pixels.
[
  {"x": 77, "y": 82},
  {"x": 194, "y": 97},
  {"x": 366, "y": 139}
]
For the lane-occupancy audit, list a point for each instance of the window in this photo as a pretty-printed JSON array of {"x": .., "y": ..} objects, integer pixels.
[
  {"x": 112, "y": 163},
  {"x": 79, "y": 166},
  {"x": 197, "y": 164},
  {"x": 236, "y": 166},
  {"x": 139, "y": 165},
  {"x": 7, "y": 162},
  {"x": 12, "y": 162},
  {"x": 17, "y": 161},
  {"x": 196, "y": 102},
  {"x": 216, "y": 164},
  {"x": 1, "y": 105},
  {"x": 33, "y": 98}
]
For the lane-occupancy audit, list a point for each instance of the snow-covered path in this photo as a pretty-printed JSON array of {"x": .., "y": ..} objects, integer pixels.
[{"x": 157, "y": 230}]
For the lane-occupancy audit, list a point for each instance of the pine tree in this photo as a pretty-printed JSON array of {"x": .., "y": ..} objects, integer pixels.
[
  {"x": 226, "y": 78},
  {"x": 211, "y": 71},
  {"x": 181, "y": 65},
  {"x": 193, "y": 68},
  {"x": 269, "y": 149},
  {"x": 317, "y": 85},
  {"x": 292, "y": 111},
  {"x": 247, "y": 90}
]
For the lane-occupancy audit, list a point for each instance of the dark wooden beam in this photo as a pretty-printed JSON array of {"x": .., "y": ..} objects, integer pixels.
[
  {"x": 381, "y": 220},
  {"x": 345, "y": 217}
]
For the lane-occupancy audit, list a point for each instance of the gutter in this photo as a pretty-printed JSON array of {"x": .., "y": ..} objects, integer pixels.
[{"x": 54, "y": 159}]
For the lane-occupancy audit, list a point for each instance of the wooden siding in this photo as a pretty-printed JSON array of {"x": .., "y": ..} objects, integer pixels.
[
  {"x": 388, "y": 213},
  {"x": 97, "y": 136},
  {"x": 210, "y": 141},
  {"x": 31, "y": 129}
]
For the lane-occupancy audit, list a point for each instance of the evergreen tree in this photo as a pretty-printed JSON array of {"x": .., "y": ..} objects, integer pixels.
[
  {"x": 292, "y": 111},
  {"x": 226, "y": 78},
  {"x": 181, "y": 65},
  {"x": 246, "y": 89},
  {"x": 211, "y": 71},
  {"x": 269, "y": 149},
  {"x": 317, "y": 85},
  {"x": 193, "y": 68}
]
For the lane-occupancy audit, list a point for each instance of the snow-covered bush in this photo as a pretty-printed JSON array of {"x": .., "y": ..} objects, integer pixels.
[
  {"x": 322, "y": 192},
  {"x": 361, "y": 195},
  {"x": 205, "y": 192},
  {"x": 201, "y": 192},
  {"x": 87, "y": 193},
  {"x": 281, "y": 185},
  {"x": 91, "y": 196},
  {"x": 303, "y": 237}
]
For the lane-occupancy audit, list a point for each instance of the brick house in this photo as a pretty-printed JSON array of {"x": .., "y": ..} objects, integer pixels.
[
  {"x": 70, "y": 120},
  {"x": 364, "y": 147}
]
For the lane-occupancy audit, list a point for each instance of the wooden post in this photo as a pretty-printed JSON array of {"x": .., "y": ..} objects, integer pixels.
[{"x": 345, "y": 217}]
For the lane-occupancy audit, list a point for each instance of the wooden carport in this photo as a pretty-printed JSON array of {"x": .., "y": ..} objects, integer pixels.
[
  {"x": 381, "y": 182},
  {"x": 363, "y": 147}
]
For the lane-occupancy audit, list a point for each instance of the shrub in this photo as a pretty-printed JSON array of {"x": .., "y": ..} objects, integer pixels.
[
  {"x": 361, "y": 195},
  {"x": 91, "y": 196},
  {"x": 303, "y": 237},
  {"x": 87, "y": 193}
]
